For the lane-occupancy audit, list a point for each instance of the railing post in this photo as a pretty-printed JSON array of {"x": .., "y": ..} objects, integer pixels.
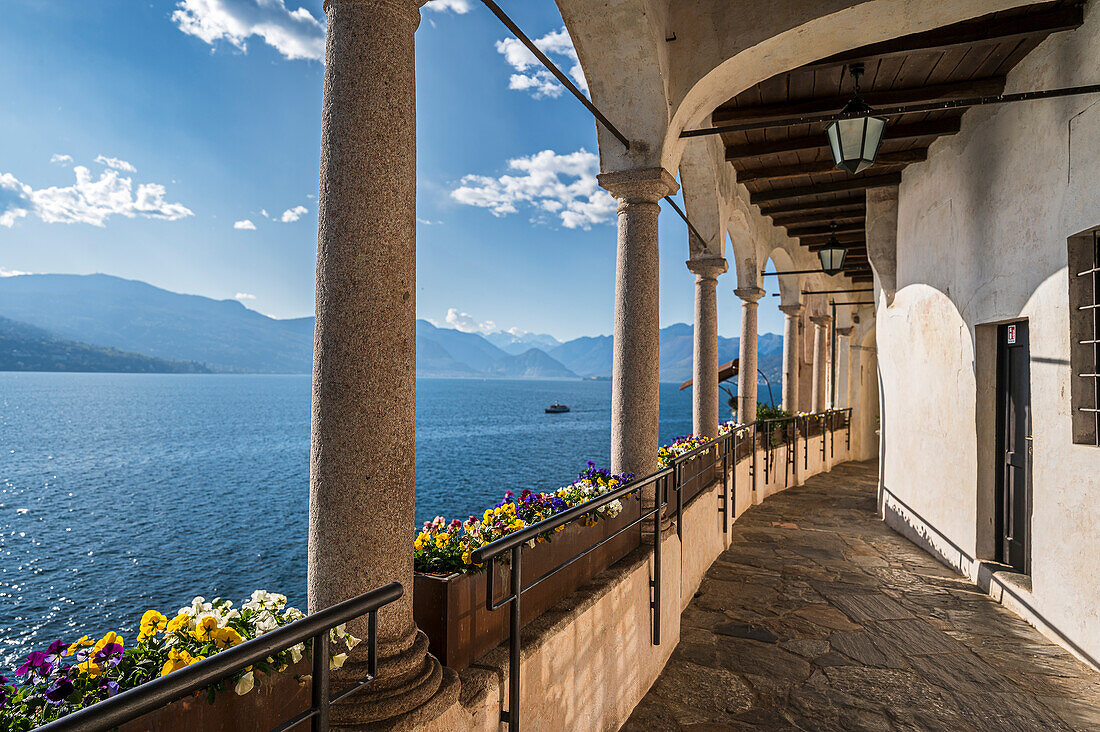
[
  {"x": 320, "y": 682},
  {"x": 659, "y": 496},
  {"x": 511, "y": 717},
  {"x": 372, "y": 644},
  {"x": 678, "y": 486},
  {"x": 848, "y": 433},
  {"x": 726, "y": 483}
]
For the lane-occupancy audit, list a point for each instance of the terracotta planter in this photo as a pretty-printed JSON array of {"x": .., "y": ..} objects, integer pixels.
[
  {"x": 275, "y": 699},
  {"x": 451, "y": 610}
]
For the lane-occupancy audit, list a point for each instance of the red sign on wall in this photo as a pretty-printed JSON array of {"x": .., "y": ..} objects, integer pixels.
[{"x": 1011, "y": 335}]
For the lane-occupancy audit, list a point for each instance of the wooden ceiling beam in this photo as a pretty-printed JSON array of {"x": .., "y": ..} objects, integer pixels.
[
  {"x": 990, "y": 86},
  {"x": 855, "y": 213},
  {"x": 946, "y": 126},
  {"x": 854, "y": 183},
  {"x": 884, "y": 160},
  {"x": 825, "y": 230},
  {"x": 799, "y": 206},
  {"x": 969, "y": 33}
]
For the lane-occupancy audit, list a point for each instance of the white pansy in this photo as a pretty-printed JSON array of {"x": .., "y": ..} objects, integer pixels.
[
  {"x": 292, "y": 613},
  {"x": 351, "y": 641},
  {"x": 296, "y": 652},
  {"x": 245, "y": 684},
  {"x": 337, "y": 661},
  {"x": 265, "y": 622}
]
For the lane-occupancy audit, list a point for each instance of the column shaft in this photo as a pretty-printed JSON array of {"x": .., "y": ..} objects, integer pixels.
[
  {"x": 362, "y": 451},
  {"x": 705, "y": 405},
  {"x": 635, "y": 368},
  {"x": 821, "y": 356},
  {"x": 790, "y": 356},
  {"x": 748, "y": 359}
]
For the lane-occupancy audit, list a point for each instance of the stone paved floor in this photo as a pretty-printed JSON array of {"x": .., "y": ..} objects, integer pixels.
[{"x": 819, "y": 617}]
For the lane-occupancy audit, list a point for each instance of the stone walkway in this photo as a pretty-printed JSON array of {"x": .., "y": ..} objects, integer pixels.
[{"x": 819, "y": 617}]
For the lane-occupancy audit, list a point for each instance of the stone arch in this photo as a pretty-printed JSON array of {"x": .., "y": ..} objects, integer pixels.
[
  {"x": 790, "y": 286},
  {"x": 619, "y": 40},
  {"x": 707, "y": 83}
]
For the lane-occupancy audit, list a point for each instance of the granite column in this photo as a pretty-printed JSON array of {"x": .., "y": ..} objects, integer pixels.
[
  {"x": 821, "y": 355},
  {"x": 748, "y": 359},
  {"x": 704, "y": 390},
  {"x": 362, "y": 452},
  {"x": 791, "y": 343}
]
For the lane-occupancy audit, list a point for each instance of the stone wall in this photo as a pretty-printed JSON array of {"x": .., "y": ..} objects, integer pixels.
[
  {"x": 982, "y": 239},
  {"x": 589, "y": 660}
]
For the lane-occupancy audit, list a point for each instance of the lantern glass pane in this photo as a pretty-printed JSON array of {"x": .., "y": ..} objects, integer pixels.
[
  {"x": 834, "y": 142},
  {"x": 873, "y": 137},
  {"x": 851, "y": 139}
]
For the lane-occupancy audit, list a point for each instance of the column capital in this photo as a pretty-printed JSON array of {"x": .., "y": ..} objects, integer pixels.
[
  {"x": 408, "y": 8},
  {"x": 791, "y": 310},
  {"x": 845, "y": 331},
  {"x": 750, "y": 294},
  {"x": 821, "y": 320},
  {"x": 644, "y": 185},
  {"x": 708, "y": 268}
]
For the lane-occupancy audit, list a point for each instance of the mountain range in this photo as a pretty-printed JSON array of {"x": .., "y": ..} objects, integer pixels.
[{"x": 176, "y": 332}]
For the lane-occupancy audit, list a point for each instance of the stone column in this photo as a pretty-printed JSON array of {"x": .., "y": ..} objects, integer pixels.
[
  {"x": 635, "y": 370},
  {"x": 364, "y": 365},
  {"x": 747, "y": 361},
  {"x": 821, "y": 355},
  {"x": 790, "y": 356},
  {"x": 882, "y": 238},
  {"x": 843, "y": 367},
  {"x": 704, "y": 390}
]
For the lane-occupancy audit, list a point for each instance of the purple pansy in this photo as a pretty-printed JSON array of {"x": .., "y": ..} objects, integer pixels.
[{"x": 59, "y": 690}]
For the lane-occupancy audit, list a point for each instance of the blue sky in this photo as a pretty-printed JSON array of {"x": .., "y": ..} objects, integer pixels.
[{"x": 138, "y": 138}]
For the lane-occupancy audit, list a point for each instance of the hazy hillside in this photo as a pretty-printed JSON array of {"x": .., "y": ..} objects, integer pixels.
[
  {"x": 591, "y": 356},
  {"x": 27, "y": 348},
  {"x": 224, "y": 335},
  {"x": 436, "y": 345},
  {"x": 134, "y": 316}
]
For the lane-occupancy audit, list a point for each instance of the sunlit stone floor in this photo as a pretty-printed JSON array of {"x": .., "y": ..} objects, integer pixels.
[{"x": 819, "y": 617}]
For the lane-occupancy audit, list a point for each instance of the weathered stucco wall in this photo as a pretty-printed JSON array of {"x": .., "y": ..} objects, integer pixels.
[{"x": 982, "y": 231}]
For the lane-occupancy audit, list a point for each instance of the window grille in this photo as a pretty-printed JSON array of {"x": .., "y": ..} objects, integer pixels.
[{"x": 1084, "y": 290}]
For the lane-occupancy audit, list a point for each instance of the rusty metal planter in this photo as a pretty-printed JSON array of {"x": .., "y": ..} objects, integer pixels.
[{"x": 451, "y": 609}]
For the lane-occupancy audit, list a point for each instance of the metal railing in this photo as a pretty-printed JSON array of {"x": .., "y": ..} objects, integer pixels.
[{"x": 198, "y": 677}]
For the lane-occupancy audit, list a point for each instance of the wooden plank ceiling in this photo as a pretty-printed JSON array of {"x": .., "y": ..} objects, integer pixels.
[{"x": 789, "y": 170}]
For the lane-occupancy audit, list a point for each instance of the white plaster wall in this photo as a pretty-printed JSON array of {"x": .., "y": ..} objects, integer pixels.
[{"x": 982, "y": 232}]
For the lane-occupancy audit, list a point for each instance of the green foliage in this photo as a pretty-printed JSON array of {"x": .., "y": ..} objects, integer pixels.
[{"x": 767, "y": 411}]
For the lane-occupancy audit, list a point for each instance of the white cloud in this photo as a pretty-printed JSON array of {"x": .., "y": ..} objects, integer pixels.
[
  {"x": 561, "y": 185},
  {"x": 245, "y": 225},
  {"x": 296, "y": 34},
  {"x": 59, "y": 159},
  {"x": 12, "y": 272},
  {"x": 427, "y": 222},
  {"x": 244, "y": 296},
  {"x": 116, "y": 164},
  {"x": 293, "y": 214},
  {"x": 468, "y": 323},
  {"x": 88, "y": 201},
  {"x": 531, "y": 76},
  {"x": 455, "y": 6},
  {"x": 264, "y": 212}
]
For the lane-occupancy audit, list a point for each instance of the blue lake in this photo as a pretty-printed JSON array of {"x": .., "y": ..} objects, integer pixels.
[{"x": 121, "y": 492}]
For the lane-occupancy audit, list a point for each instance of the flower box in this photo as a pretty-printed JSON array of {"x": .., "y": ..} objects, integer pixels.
[
  {"x": 274, "y": 700},
  {"x": 451, "y": 609}
]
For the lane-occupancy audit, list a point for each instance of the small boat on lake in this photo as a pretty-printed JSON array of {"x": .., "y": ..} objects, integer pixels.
[{"x": 556, "y": 408}]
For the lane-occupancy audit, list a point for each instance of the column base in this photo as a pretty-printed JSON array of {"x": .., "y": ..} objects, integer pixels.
[{"x": 411, "y": 690}]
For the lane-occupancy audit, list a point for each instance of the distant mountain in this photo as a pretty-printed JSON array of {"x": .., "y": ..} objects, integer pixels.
[
  {"x": 223, "y": 335},
  {"x": 439, "y": 349},
  {"x": 591, "y": 356},
  {"x": 134, "y": 316},
  {"x": 517, "y": 344},
  {"x": 27, "y": 348}
]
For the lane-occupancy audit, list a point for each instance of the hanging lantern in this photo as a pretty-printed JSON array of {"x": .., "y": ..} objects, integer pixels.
[
  {"x": 832, "y": 255},
  {"x": 855, "y": 141}
]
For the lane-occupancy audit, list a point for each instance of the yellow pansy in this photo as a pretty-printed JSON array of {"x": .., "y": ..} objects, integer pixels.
[
  {"x": 152, "y": 622},
  {"x": 85, "y": 641},
  {"x": 226, "y": 638},
  {"x": 178, "y": 623},
  {"x": 90, "y": 667},
  {"x": 205, "y": 629},
  {"x": 111, "y": 637}
]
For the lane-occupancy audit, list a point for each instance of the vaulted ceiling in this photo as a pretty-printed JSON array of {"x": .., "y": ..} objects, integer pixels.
[{"x": 789, "y": 170}]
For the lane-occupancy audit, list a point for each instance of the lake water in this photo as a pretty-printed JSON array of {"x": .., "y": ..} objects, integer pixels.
[{"x": 121, "y": 492}]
